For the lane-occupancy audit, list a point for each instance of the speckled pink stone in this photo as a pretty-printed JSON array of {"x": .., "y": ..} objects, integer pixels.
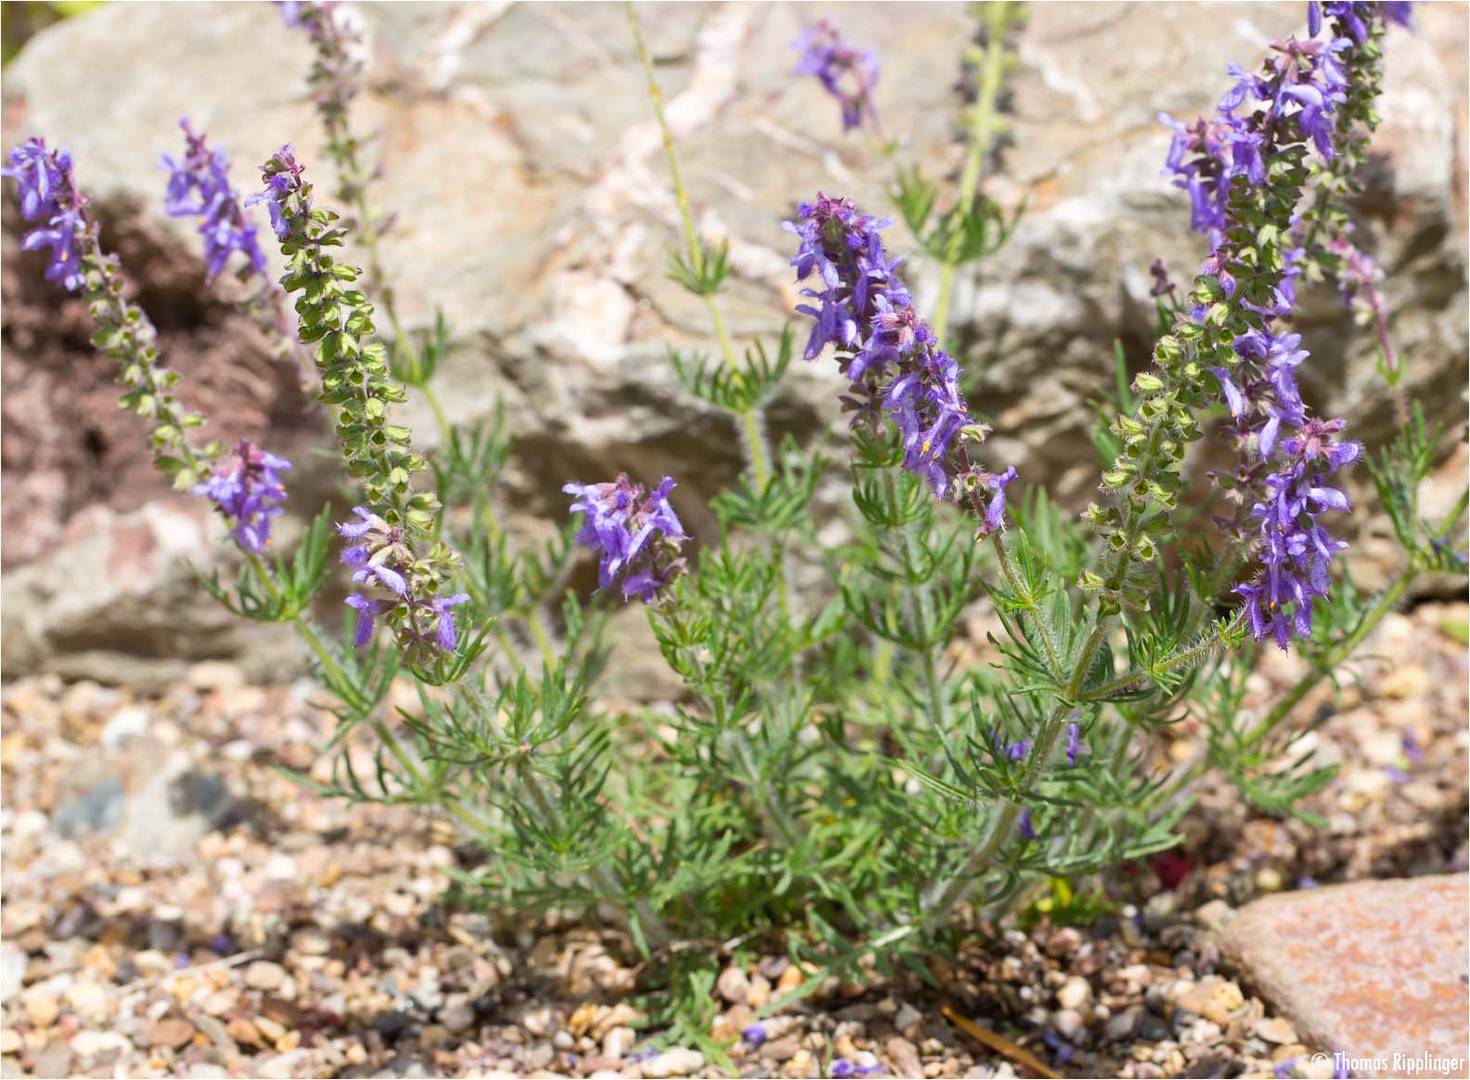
[{"x": 1370, "y": 969}]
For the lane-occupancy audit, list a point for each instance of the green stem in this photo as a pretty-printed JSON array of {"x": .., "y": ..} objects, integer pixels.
[
  {"x": 982, "y": 131},
  {"x": 395, "y": 749},
  {"x": 541, "y": 635},
  {"x": 920, "y": 603},
  {"x": 446, "y": 430},
  {"x": 938, "y": 901},
  {"x": 771, "y": 810},
  {"x": 944, "y": 895},
  {"x": 602, "y": 878},
  {"x": 1023, "y": 595},
  {"x": 1196, "y": 652},
  {"x": 756, "y": 451}
]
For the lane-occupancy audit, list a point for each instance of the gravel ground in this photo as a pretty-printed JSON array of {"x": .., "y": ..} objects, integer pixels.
[{"x": 306, "y": 937}]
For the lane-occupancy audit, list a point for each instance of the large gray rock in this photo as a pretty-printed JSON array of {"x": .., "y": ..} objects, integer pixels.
[{"x": 533, "y": 206}]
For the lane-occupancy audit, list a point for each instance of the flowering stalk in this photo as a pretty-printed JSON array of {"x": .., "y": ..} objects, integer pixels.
[
  {"x": 1245, "y": 173},
  {"x": 246, "y": 488},
  {"x": 897, "y": 372},
  {"x": 1326, "y": 227},
  {"x": 394, "y": 553},
  {"x": 701, "y": 269},
  {"x": 982, "y": 124},
  {"x": 199, "y": 186},
  {"x": 340, "y": 40},
  {"x": 746, "y": 387},
  {"x": 70, "y": 235}
]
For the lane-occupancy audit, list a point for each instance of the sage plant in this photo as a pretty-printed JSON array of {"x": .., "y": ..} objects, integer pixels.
[{"x": 837, "y": 777}]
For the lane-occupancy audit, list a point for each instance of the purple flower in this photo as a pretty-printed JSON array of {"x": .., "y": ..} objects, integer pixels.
[
  {"x": 280, "y": 184},
  {"x": 1011, "y": 751},
  {"x": 247, "y": 488},
  {"x": 199, "y": 186},
  {"x": 1354, "y": 18},
  {"x": 892, "y": 361},
  {"x": 1074, "y": 742},
  {"x": 1027, "y": 830},
  {"x": 380, "y": 555},
  {"x": 842, "y": 1067},
  {"x": 995, "y": 509},
  {"x": 849, "y": 74},
  {"x": 42, "y": 177},
  {"x": 62, "y": 239},
  {"x": 368, "y": 611},
  {"x": 444, "y": 633},
  {"x": 48, "y": 193},
  {"x": 755, "y": 1034},
  {"x": 635, "y": 534}
]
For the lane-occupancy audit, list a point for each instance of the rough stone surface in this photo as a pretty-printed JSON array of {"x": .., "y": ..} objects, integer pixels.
[
  {"x": 1369, "y": 969},
  {"x": 533, "y": 206}
]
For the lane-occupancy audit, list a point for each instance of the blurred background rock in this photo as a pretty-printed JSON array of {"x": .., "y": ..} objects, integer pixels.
[{"x": 532, "y": 204}]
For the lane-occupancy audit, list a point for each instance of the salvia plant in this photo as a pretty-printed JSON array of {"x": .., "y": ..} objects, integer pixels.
[{"x": 836, "y": 779}]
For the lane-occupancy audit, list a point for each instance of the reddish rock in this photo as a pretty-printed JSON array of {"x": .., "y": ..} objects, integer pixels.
[{"x": 1368, "y": 971}]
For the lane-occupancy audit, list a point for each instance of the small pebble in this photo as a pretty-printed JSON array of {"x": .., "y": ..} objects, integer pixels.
[
  {"x": 1075, "y": 993},
  {"x": 171, "y": 1032},
  {"x": 676, "y": 1062},
  {"x": 264, "y": 975}
]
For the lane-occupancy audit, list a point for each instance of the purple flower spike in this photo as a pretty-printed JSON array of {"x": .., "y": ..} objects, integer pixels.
[
  {"x": 635, "y": 535},
  {"x": 1287, "y": 456},
  {"x": 199, "y": 186},
  {"x": 893, "y": 363},
  {"x": 848, "y": 74},
  {"x": 247, "y": 488},
  {"x": 1304, "y": 84},
  {"x": 48, "y": 194}
]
